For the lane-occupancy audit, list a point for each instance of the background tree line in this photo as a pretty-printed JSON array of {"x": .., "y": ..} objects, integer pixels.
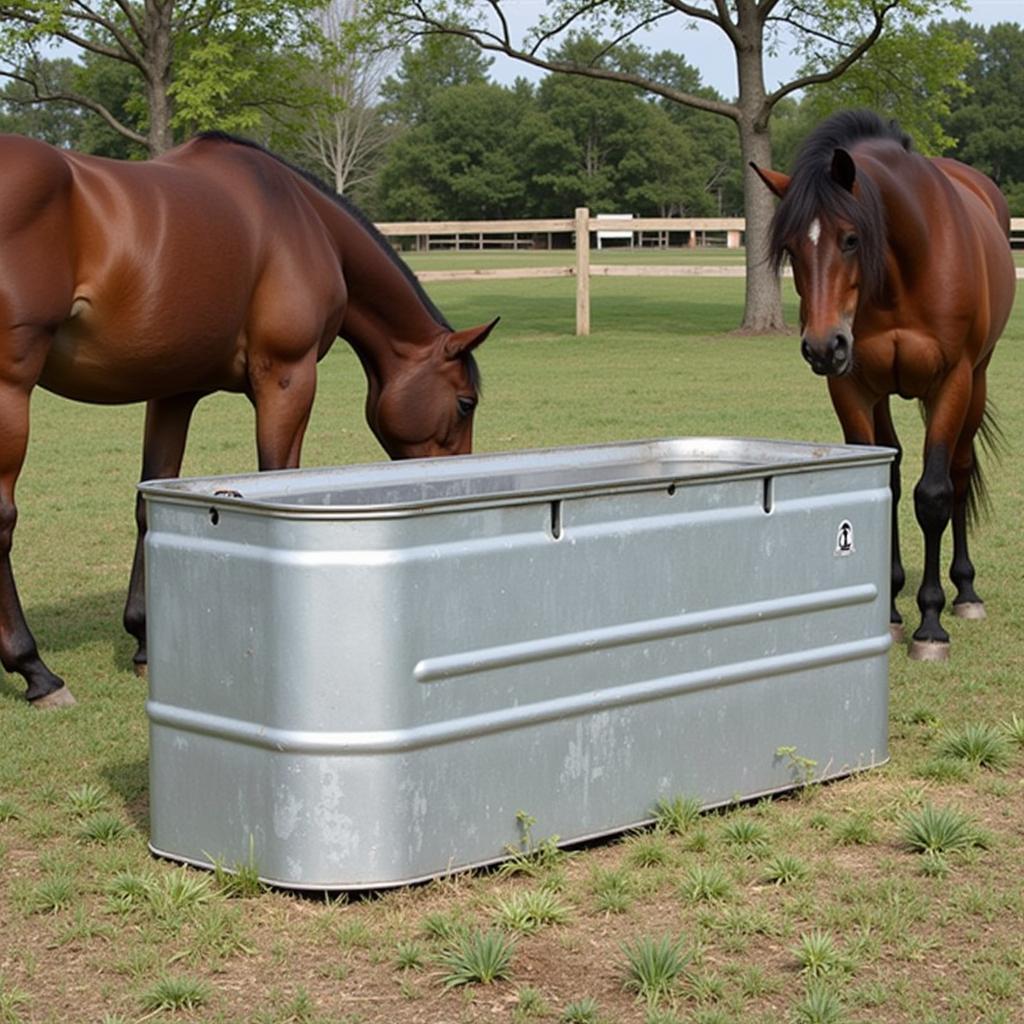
[{"x": 441, "y": 140}]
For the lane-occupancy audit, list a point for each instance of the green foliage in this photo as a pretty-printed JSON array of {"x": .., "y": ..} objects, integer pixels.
[
  {"x": 983, "y": 745},
  {"x": 12, "y": 1000},
  {"x": 613, "y": 891},
  {"x": 410, "y": 955},
  {"x": 530, "y": 910},
  {"x": 477, "y": 957},
  {"x": 783, "y": 869},
  {"x": 176, "y": 992},
  {"x": 653, "y": 966},
  {"x": 817, "y": 954},
  {"x": 820, "y": 1005},
  {"x": 1013, "y": 727},
  {"x": 102, "y": 828},
  {"x": 677, "y": 815},
  {"x": 938, "y": 830},
  {"x": 706, "y": 883},
  {"x": 581, "y": 1011},
  {"x": 746, "y": 833}
]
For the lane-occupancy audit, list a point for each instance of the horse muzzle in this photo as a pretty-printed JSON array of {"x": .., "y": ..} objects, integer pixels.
[{"x": 832, "y": 357}]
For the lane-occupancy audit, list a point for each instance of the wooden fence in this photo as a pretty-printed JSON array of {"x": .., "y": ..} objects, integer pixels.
[{"x": 522, "y": 234}]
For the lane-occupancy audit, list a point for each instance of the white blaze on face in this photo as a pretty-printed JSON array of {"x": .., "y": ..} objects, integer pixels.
[{"x": 814, "y": 231}]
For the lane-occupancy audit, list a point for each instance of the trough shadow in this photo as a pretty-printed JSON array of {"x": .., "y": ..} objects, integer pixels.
[{"x": 130, "y": 781}]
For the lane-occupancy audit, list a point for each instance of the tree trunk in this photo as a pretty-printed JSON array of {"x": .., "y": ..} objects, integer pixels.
[
  {"x": 763, "y": 309},
  {"x": 158, "y": 58}
]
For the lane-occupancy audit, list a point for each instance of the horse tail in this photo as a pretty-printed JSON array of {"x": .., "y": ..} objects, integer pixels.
[{"x": 991, "y": 439}]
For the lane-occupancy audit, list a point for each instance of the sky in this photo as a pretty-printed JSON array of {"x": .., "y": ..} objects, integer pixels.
[{"x": 706, "y": 47}]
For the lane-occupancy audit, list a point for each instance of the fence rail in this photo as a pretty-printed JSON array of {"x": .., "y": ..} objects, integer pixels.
[{"x": 460, "y": 234}]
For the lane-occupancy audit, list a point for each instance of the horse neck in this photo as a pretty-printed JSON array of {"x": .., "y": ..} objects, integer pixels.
[{"x": 386, "y": 315}]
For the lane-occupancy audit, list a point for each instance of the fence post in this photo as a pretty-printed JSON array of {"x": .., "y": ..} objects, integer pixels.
[{"x": 582, "y": 271}]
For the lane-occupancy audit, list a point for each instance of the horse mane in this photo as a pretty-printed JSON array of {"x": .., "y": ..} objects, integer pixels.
[
  {"x": 347, "y": 205},
  {"x": 813, "y": 192}
]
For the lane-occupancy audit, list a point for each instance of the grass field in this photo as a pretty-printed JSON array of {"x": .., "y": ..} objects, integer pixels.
[{"x": 813, "y": 909}]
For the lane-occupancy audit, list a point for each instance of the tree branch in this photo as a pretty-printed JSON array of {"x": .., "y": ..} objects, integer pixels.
[
  {"x": 836, "y": 70},
  {"x": 127, "y": 54},
  {"x": 494, "y": 44},
  {"x": 77, "y": 100}
]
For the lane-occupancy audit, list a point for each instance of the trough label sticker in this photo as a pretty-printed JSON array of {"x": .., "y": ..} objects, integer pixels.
[{"x": 844, "y": 539}]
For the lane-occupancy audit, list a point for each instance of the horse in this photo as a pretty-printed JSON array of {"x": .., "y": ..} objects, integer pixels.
[
  {"x": 217, "y": 266},
  {"x": 906, "y": 280}
]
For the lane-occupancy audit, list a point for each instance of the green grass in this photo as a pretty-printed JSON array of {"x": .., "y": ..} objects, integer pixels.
[{"x": 90, "y": 923}]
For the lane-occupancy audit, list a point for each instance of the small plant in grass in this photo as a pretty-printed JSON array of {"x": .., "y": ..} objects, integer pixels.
[
  {"x": 653, "y": 966},
  {"x": 581, "y": 1011},
  {"x": 83, "y": 928},
  {"x": 11, "y": 1001},
  {"x": 946, "y": 769},
  {"x": 784, "y": 869},
  {"x": 478, "y": 957},
  {"x": 530, "y": 1003},
  {"x": 410, "y": 955},
  {"x": 649, "y": 851},
  {"x": 1013, "y": 727},
  {"x": 9, "y": 811},
  {"x": 934, "y": 865},
  {"x": 52, "y": 894},
  {"x": 706, "y": 883},
  {"x": 241, "y": 880},
  {"x": 178, "y": 894},
  {"x": 613, "y": 891},
  {"x": 940, "y": 830},
  {"x": 801, "y": 768},
  {"x": 87, "y": 798},
  {"x": 102, "y": 827},
  {"x": 817, "y": 954},
  {"x": 127, "y": 891},
  {"x": 745, "y": 832},
  {"x": 983, "y": 745},
  {"x": 531, "y": 858},
  {"x": 219, "y": 934},
  {"x": 820, "y": 1005},
  {"x": 530, "y": 910},
  {"x": 855, "y": 830},
  {"x": 447, "y": 928},
  {"x": 656, "y": 1015},
  {"x": 175, "y": 992},
  {"x": 678, "y": 815}
]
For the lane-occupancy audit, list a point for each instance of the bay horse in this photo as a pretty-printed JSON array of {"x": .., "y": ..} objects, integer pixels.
[
  {"x": 214, "y": 267},
  {"x": 906, "y": 281}
]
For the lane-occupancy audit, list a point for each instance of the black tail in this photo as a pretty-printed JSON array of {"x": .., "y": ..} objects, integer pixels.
[{"x": 992, "y": 441}]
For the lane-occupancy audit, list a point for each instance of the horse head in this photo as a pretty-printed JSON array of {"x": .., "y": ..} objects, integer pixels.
[
  {"x": 831, "y": 229},
  {"x": 424, "y": 404}
]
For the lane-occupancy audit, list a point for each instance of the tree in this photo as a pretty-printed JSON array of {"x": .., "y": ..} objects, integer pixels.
[
  {"x": 831, "y": 34},
  {"x": 196, "y": 64},
  {"x": 452, "y": 164},
  {"x": 347, "y": 136},
  {"x": 987, "y": 122}
]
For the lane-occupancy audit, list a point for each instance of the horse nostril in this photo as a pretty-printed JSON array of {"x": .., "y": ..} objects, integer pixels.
[
  {"x": 839, "y": 349},
  {"x": 805, "y": 350}
]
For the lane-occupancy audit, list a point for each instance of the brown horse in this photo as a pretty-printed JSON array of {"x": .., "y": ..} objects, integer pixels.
[
  {"x": 906, "y": 281},
  {"x": 216, "y": 267}
]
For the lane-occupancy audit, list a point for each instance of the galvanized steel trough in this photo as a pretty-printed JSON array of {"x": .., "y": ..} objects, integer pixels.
[{"x": 360, "y": 677}]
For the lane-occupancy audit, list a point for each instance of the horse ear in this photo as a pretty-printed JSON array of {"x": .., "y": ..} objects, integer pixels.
[
  {"x": 460, "y": 343},
  {"x": 775, "y": 180},
  {"x": 844, "y": 170}
]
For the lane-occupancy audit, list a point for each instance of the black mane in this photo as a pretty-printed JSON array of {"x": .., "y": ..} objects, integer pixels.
[
  {"x": 348, "y": 206},
  {"x": 814, "y": 193}
]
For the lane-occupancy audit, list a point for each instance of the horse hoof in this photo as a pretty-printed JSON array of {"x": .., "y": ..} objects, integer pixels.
[
  {"x": 928, "y": 650},
  {"x": 970, "y": 610},
  {"x": 57, "y": 699},
  {"x": 897, "y": 632},
  {"x": 141, "y": 669}
]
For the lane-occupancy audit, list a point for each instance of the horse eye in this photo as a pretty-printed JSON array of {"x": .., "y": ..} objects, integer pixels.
[
  {"x": 465, "y": 405},
  {"x": 849, "y": 242}
]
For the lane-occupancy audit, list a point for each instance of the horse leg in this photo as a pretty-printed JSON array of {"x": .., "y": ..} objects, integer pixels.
[
  {"x": 966, "y": 604},
  {"x": 933, "y": 505},
  {"x": 885, "y": 434},
  {"x": 282, "y": 395},
  {"x": 18, "y": 651},
  {"x": 163, "y": 447}
]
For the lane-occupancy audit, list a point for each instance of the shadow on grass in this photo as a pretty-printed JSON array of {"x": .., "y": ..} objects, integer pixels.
[{"x": 130, "y": 781}]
